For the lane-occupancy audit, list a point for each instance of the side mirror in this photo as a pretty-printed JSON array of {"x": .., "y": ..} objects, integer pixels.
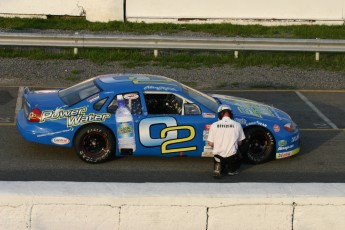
[{"x": 191, "y": 109}]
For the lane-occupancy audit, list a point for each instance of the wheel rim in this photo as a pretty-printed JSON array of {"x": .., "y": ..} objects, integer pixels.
[
  {"x": 258, "y": 143},
  {"x": 94, "y": 144}
]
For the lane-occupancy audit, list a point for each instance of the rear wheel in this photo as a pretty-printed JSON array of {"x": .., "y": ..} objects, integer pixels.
[
  {"x": 259, "y": 145},
  {"x": 94, "y": 144}
]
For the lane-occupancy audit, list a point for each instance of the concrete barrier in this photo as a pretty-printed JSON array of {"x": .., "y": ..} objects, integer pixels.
[{"x": 62, "y": 205}]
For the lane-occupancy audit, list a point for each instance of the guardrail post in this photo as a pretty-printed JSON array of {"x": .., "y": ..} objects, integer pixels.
[
  {"x": 155, "y": 53},
  {"x": 236, "y": 54},
  {"x": 317, "y": 56},
  {"x": 75, "y": 50}
]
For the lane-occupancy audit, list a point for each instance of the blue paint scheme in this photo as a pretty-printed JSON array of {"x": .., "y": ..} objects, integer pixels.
[{"x": 151, "y": 138}]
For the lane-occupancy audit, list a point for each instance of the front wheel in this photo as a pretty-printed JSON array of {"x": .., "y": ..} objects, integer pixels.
[
  {"x": 259, "y": 145},
  {"x": 94, "y": 144}
]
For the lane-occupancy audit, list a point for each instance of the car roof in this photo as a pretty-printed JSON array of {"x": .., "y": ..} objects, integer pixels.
[{"x": 137, "y": 82}]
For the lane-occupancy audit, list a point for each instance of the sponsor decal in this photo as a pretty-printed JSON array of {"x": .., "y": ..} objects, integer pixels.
[
  {"x": 205, "y": 135},
  {"x": 60, "y": 140},
  {"x": 74, "y": 117},
  {"x": 282, "y": 143},
  {"x": 207, "y": 154},
  {"x": 93, "y": 98},
  {"x": 256, "y": 123},
  {"x": 131, "y": 96},
  {"x": 159, "y": 88},
  {"x": 287, "y": 154},
  {"x": 285, "y": 147},
  {"x": 241, "y": 121},
  {"x": 276, "y": 128},
  {"x": 295, "y": 138},
  {"x": 141, "y": 78},
  {"x": 208, "y": 115},
  {"x": 253, "y": 109},
  {"x": 207, "y": 127},
  {"x": 51, "y": 134},
  {"x": 206, "y": 132}
]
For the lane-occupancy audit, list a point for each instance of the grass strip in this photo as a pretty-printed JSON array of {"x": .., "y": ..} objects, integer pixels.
[
  {"x": 224, "y": 29},
  {"x": 180, "y": 59},
  {"x": 184, "y": 59}
]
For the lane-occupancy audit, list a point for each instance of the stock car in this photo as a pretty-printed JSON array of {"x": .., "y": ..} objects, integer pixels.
[{"x": 169, "y": 119}]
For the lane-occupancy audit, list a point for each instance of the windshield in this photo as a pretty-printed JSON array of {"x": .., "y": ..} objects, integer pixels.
[
  {"x": 204, "y": 99},
  {"x": 78, "y": 92}
]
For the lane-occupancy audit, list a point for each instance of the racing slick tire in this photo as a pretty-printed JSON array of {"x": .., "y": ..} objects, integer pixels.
[
  {"x": 259, "y": 145},
  {"x": 94, "y": 144}
]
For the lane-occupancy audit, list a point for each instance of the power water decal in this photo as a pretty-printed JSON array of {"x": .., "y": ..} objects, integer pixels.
[
  {"x": 60, "y": 113},
  {"x": 168, "y": 134},
  {"x": 125, "y": 129},
  {"x": 60, "y": 140},
  {"x": 74, "y": 117}
]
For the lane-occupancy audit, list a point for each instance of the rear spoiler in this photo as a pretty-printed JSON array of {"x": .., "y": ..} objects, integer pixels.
[{"x": 26, "y": 90}]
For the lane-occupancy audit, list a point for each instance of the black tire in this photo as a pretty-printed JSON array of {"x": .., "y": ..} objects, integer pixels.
[
  {"x": 259, "y": 145},
  {"x": 94, "y": 144}
]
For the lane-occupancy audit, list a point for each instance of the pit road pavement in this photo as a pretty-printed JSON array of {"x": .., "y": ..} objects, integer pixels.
[{"x": 319, "y": 114}]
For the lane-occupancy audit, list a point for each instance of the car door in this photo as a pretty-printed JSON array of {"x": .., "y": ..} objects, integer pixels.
[
  {"x": 173, "y": 125},
  {"x": 133, "y": 103}
]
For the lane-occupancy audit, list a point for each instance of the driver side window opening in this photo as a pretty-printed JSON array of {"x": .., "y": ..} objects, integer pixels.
[
  {"x": 165, "y": 103},
  {"x": 132, "y": 101}
]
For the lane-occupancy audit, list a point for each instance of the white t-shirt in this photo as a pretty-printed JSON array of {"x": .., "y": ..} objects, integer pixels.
[{"x": 225, "y": 135}]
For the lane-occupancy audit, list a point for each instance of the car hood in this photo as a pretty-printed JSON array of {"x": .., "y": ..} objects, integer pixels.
[
  {"x": 43, "y": 99},
  {"x": 244, "y": 107}
]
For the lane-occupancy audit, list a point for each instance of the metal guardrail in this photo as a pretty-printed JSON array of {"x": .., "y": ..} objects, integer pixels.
[{"x": 170, "y": 42}]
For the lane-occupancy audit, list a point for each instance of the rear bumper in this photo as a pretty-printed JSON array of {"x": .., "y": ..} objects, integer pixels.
[{"x": 35, "y": 132}]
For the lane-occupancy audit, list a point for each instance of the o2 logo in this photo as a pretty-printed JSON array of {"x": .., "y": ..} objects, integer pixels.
[{"x": 163, "y": 131}]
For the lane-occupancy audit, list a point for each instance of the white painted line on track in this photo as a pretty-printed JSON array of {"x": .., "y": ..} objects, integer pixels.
[
  {"x": 19, "y": 102},
  {"x": 317, "y": 111}
]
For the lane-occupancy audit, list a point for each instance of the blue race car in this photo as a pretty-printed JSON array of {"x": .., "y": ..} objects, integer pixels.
[{"x": 147, "y": 115}]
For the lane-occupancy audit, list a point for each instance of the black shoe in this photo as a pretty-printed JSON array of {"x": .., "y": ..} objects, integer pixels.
[
  {"x": 216, "y": 175},
  {"x": 233, "y": 173}
]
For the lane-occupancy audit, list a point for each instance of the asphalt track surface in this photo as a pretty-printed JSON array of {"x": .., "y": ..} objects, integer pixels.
[{"x": 319, "y": 114}]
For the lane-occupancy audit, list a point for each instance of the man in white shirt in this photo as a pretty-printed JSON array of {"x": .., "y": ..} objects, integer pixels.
[{"x": 224, "y": 136}]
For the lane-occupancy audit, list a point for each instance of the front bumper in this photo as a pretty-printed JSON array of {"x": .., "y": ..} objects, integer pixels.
[{"x": 291, "y": 146}]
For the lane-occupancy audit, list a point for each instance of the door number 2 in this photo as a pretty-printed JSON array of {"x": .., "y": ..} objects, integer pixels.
[{"x": 168, "y": 135}]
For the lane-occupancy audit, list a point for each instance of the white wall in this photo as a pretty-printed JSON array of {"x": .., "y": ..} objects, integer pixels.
[
  {"x": 100, "y": 10},
  {"x": 103, "y": 10},
  {"x": 202, "y": 11},
  {"x": 330, "y": 11}
]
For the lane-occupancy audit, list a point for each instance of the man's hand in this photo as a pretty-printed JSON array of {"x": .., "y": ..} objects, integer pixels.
[{"x": 210, "y": 143}]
